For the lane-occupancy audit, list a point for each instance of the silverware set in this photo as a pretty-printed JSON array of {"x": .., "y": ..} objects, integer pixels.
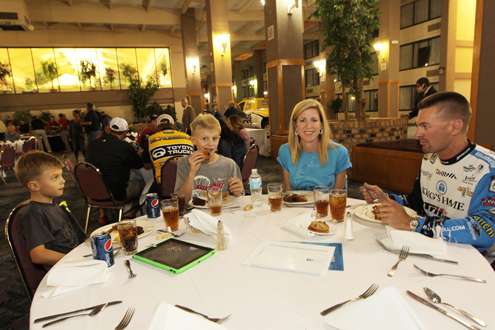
[
  {"x": 212, "y": 319},
  {"x": 416, "y": 254},
  {"x": 453, "y": 276}
]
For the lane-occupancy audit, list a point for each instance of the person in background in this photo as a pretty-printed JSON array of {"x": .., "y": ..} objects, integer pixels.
[
  {"x": 150, "y": 129},
  {"x": 92, "y": 123},
  {"x": 187, "y": 116},
  {"x": 310, "y": 158},
  {"x": 423, "y": 90},
  {"x": 77, "y": 134},
  {"x": 231, "y": 110},
  {"x": 231, "y": 144},
  {"x": 454, "y": 193},
  {"x": 3, "y": 130},
  {"x": 50, "y": 230},
  {"x": 11, "y": 134},
  {"x": 38, "y": 130},
  {"x": 63, "y": 123},
  {"x": 105, "y": 122}
]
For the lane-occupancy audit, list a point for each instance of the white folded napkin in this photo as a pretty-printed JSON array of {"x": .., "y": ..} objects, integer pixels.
[
  {"x": 417, "y": 242},
  {"x": 385, "y": 310},
  {"x": 298, "y": 226},
  {"x": 207, "y": 224},
  {"x": 169, "y": 317},
  {"x": 70, "y": 276}
]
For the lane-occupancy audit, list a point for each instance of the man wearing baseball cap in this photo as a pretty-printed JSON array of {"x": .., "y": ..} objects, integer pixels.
[{"x": 115, "y": 158}]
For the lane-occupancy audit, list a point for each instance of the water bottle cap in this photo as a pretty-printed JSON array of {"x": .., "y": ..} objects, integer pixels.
[{"x": 254, "y": 171}]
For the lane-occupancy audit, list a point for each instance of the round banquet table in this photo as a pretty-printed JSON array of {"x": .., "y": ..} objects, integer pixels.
[{"x": 268, "y": 299}]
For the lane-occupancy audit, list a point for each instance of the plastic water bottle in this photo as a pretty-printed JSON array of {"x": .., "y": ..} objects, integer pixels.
[{"x": 255, "y": 185}]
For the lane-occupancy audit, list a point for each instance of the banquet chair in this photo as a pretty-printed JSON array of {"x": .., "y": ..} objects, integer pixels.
[
  {"x": 29, "y": 144},
  {"x": 168, "y": 175},
  {"x": 31, "y": 274},
  {"x": 249, "y": 163},
  {"x": 95, "y": 191},
  {"x": 7, "y": 161}
]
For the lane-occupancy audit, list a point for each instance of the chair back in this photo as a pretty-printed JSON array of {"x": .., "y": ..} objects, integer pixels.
[
  {"x": 168, "y": 175},
  {"x": 7, "y": 160},
  {"x": 29, "y": 144},
  {"x": 249, "y": 162},
  {"x": 91, "y": 183},
  {"x": 31, "y": 274}
]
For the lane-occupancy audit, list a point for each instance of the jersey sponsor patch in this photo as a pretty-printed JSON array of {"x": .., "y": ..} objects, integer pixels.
[
  {"x": 485, "y": 225},
  {"x": 488, "y": 202},
  {"x": 492, "y": 185}
]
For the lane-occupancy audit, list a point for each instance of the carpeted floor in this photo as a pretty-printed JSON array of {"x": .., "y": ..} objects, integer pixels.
[{"x": 14, "y": 303}]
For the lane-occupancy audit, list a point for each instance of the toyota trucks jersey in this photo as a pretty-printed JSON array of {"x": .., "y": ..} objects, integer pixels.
[{"x": 456, "y": 197}]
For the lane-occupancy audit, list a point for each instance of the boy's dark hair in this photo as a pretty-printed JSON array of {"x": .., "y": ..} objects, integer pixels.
[
  {"x": 450, "y": 104},
  {"x": 423, "y": 81},
  {"x": 31, "y": 164}
]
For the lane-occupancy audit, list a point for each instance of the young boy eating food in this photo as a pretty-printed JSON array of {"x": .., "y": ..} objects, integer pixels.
[
  {"x": 204, "y": 167},
  {"x": 50, "y": 230}
]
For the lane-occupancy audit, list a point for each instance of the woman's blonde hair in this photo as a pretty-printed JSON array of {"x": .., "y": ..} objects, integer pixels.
[{"x": 295, "y": 146}]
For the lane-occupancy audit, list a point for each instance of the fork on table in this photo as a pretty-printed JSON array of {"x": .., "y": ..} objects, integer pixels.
[
  {"x": 404, "y": 252},
  {"x": 126, "y": 319},
  {"x": 366, "y": 294}
]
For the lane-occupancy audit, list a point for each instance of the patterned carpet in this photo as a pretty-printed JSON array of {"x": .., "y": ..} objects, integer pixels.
[{"x": 14, "y": 303}]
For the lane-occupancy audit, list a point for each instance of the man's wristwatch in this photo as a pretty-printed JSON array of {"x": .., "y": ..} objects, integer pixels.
[{"x": 414, "y": 223}]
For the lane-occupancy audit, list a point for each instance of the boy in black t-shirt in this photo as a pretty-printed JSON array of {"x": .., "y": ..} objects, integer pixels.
[{"x": 49, "y": 229}]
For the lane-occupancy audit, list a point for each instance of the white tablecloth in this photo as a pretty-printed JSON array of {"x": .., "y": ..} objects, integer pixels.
[
  {"x": 268, "y": 299},
  {"x": 261, "y": 139}
]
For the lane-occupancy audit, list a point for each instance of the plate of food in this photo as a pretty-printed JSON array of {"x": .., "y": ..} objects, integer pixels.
[
  {"x": 320, "y": 228},
  {"x": 298, "y": 197},
  {"x": 202, "y": 201},
  {"x": 368, "y": 213},
  {"x": 144, "y": 228}
]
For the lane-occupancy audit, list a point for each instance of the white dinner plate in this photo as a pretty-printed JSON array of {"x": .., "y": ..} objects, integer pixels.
[
  {"x": 148, "y": 228},
  {"x": 231, "y": 201},
  {"x": 365, "y": 213},
  {"x": 307, "y": 194}
]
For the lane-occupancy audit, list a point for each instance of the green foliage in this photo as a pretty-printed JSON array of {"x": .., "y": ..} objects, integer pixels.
[
  {"x": 109, "y": 76},
  {"x": 4, "y": 72},
  {"x": 349, "y": 27},
  {"x": 88, "y": 70},
  {"x": 129, "y": 71},
  {"x": 164, "y": 68},
  {"x": 49, "y": 69},
  {"x": 140, "y": 95},
  {"x": 21, "y": 117},
  {"x": 336, "y": 105}
]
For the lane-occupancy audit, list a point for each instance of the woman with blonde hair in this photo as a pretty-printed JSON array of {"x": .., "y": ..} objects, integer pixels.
[{"x": 310, "y": 158}]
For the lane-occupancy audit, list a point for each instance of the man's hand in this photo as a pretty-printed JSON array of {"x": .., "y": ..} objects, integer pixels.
[
  {"x": 372, "y": 193},
  {"x": 235, "y": 186},
  {"x": 393, "y": 214},
  {"x": 195, "y": 161}
]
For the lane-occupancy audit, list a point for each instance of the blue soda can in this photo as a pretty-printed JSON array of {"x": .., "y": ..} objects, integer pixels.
[
  {"x": 102, "y": 248},
  {"x": 152, "y": 205}
]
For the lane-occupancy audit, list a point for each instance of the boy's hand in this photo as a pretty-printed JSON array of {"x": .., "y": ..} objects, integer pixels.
[
  {"x": 235, "y": 186},
  {"x": 195, "y": 161}
]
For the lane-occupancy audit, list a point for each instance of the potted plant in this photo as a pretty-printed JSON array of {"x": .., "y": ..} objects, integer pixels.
[
  {"x": 140, "y": 95},
  {"x": 109, "y": 76},
  {"x": 50, "y": 71},
  {"x": 349, "y": 28},
  {"x": 88, "y": 71},
  {"x": 4, "y": 73}
]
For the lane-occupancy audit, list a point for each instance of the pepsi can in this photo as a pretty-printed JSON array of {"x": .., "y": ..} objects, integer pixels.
[
  {"x": 152, "y": 205},
  {"x": 101, "y": 245}
]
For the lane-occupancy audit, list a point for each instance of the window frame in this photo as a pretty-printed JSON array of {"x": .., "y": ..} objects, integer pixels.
[
  {"x": 428, "y": 18},
  {"x": 414, "y": 45}
]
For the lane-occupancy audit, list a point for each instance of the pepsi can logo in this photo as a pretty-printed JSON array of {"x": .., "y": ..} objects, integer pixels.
[
  {"x": 154, "y": 202},
  {"x": 108, "y": 245}
]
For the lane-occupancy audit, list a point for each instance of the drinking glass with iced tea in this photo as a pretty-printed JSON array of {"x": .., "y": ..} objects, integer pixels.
[
  {"x": 338, "y": 201},
  {"x": 321, "y": 197},
  {"x": 170, "y": 210},
  {"x": 128, "y": 234},
  {"x": 215, "y": 200},
  {"x": 275, "y": 196}
]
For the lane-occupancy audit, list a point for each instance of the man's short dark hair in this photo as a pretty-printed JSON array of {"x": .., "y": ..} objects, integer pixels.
[
  {"x": 451, "y": 104},
  {"x": 423, "y": 81}
]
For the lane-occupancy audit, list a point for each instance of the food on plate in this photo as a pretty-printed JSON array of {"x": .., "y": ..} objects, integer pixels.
[
  {"x": 115, "y": 234},
  {"x": 295, "y": 198},
  {"x": 376, "y": 213},
  {"x": 319, "y": 226},
  {"x": 198, "y": 201}
]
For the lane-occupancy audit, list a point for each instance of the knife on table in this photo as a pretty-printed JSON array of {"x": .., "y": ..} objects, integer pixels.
[
  {"x": 441, "y": 310},
  {"x": 45, "y": 318},
  {"x": 415, "y": 254}
]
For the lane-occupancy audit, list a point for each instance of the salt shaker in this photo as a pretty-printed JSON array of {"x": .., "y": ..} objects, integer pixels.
[
  {"x": 220, "y": 236},
  {"x": 348, "y": 227}
]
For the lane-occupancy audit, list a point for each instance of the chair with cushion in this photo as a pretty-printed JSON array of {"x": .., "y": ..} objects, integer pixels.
[
  {"x": 249, "y": 163},
  {"x": 95, "y": 191},
  {"x": 7, "y": 161},
  {"x": 31, "y": 274},
  {"x": 168, "y": 175}
]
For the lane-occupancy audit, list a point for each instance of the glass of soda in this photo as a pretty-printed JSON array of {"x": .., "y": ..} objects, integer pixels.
[
  {"x": 338, "y": 202},
  {"x": 128, "y": 235},
  {"x": 170, "y": 210},
  {"x": 215, "y": 200},
  {"x": 322, "y": 199},
  {"x": 275, "y": 196}
]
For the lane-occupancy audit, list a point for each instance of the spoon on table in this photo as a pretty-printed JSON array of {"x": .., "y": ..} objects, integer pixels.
[{"x": 435, "y": 298}]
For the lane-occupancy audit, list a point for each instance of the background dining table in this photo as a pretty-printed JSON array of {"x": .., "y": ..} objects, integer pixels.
[{"x": 269, "y": 299}]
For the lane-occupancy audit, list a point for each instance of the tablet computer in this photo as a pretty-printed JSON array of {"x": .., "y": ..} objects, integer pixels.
[{"x": 174, "y": 255}]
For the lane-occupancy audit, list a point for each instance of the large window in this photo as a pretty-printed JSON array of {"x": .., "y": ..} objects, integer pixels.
[
  {"x": 32, "y": 70},
  {"x": 419, "y": 11},
  {"x": 370, "y": 97},
  {"x": 311, "y": 77},
  {"x": 311, "y": 49},
  {"x": 407, "y": 96},
  {"x": 420, "y": 54}
]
